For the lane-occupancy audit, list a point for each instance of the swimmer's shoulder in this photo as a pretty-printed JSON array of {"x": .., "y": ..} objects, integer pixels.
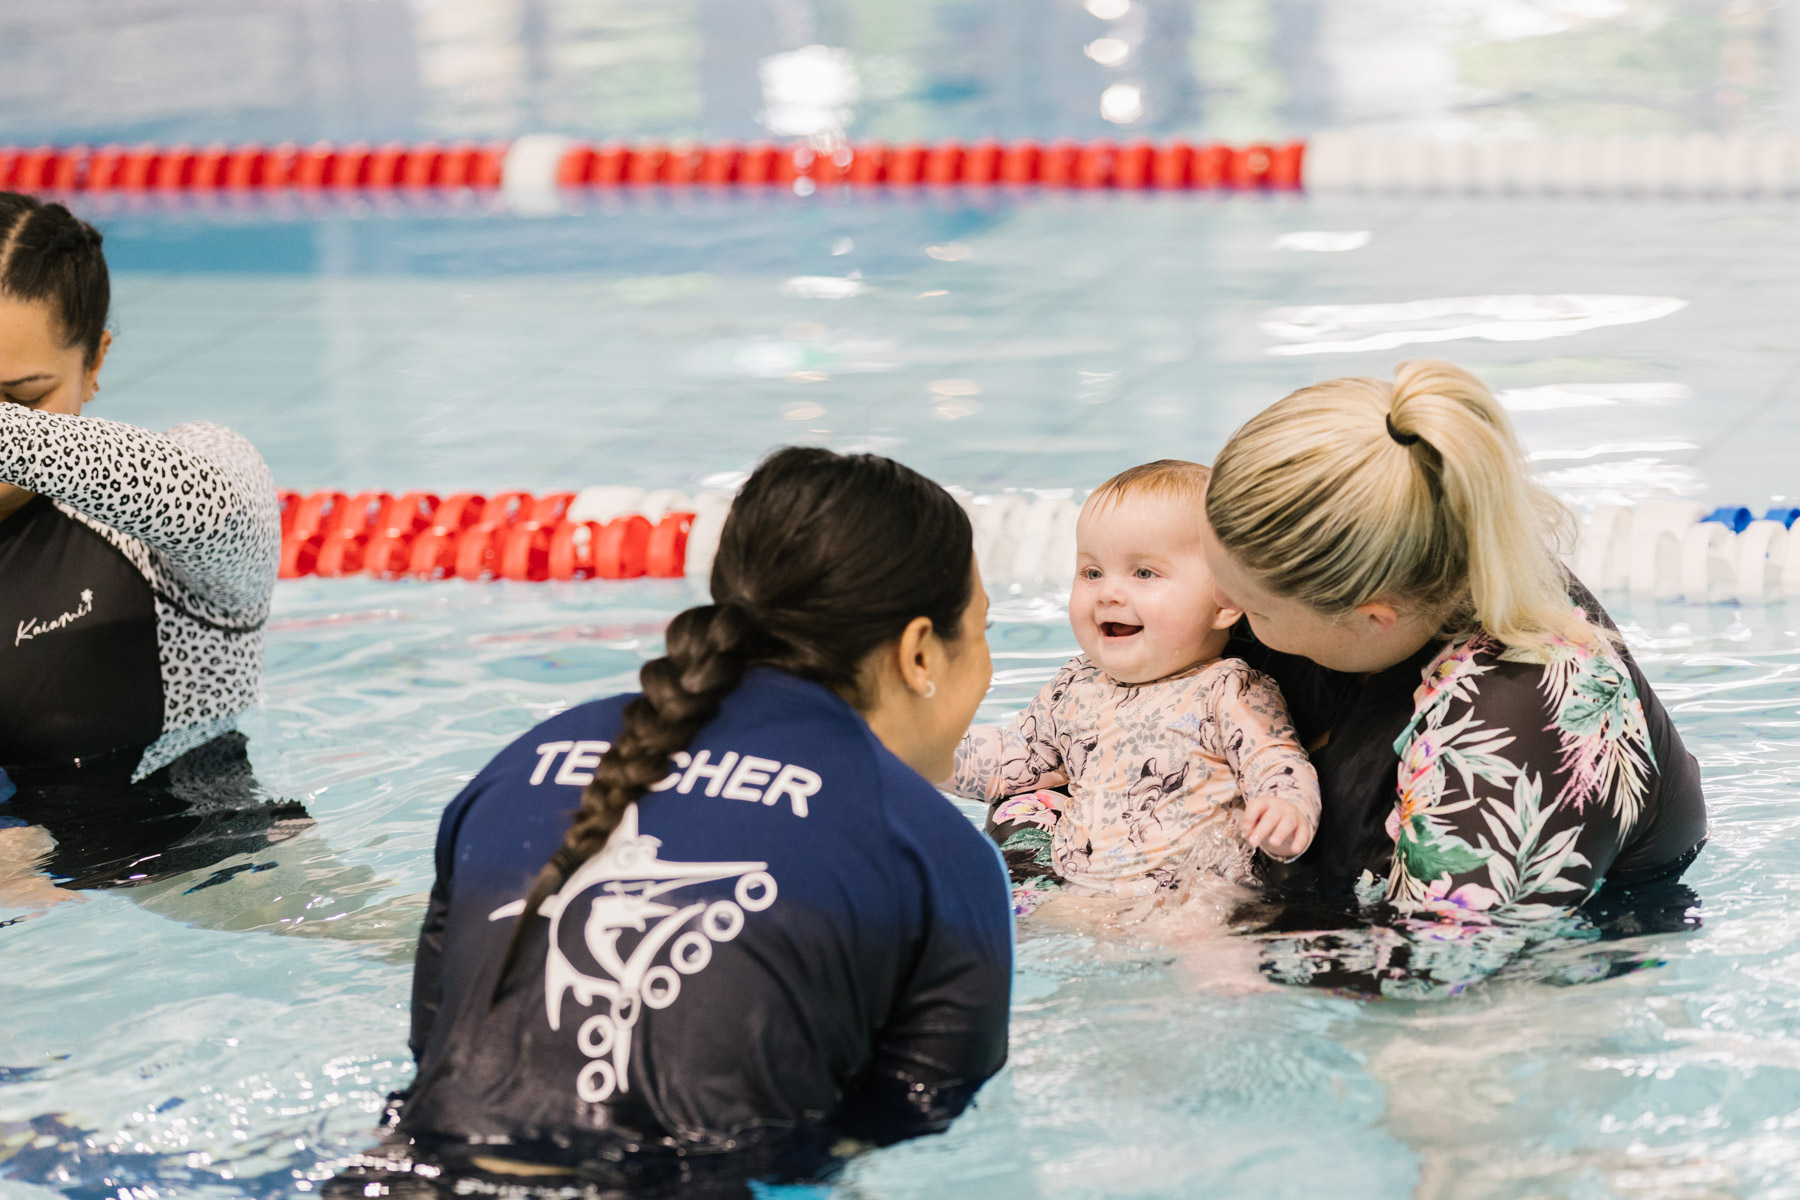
[
  {"x": 944, "y": 842},
  {"x": 218, "y": 442},
  {"x": 1081, "y": 667},
  {"x": 1233, "y": 685},
  {"x": 1235, "y": 673},
  {"x": 595, "y": 720},
  {"x": 1075, "y": 677},
  {"x": 584, "y": 729}
]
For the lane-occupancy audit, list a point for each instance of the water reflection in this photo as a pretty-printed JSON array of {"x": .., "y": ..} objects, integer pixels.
[
  {"x": 246, "y": 1065},
  {"x": 201, "y": 70},
  {"x": 1323, "y": 241},
  {"x": 1339, "y": 328},
  {"x": 1550, "y": 397}
]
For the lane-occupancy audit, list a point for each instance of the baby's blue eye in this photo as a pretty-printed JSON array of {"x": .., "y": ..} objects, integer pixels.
[{"x": 1145, "y": 573}]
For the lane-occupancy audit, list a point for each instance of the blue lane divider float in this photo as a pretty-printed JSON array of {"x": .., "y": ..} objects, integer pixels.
[
  {"x": 1735, "y": 519},
  {"x": 1677, "y": 550},
  {"x": 1786, "y": 516}
]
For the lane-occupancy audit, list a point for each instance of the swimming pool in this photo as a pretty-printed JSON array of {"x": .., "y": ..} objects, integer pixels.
[{"x": 155, "y": 1040}]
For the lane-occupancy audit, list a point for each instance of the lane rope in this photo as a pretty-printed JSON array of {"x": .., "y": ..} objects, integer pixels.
[
  {"x": 1665, "y": 550},
  {"x": 548, "y": 161},
  {"x": 1690, "y": 166}
]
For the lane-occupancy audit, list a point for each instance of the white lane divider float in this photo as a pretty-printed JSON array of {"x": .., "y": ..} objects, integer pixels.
[
  {"x": 1695, "y": 165},
  {"x": 1663, "y": 550},
  {"x": 1675, "y": 550}
]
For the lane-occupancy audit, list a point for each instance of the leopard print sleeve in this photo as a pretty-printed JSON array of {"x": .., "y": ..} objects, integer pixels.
[
  {"x": 194, "y": 510},
  {"x": 199, "y": 497}
]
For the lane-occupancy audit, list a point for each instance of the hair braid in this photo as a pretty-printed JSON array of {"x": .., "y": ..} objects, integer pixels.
[{"x": 706, "y": 652}]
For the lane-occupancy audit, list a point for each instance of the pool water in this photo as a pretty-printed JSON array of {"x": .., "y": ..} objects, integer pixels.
[{"x": 237, "y": 1040}]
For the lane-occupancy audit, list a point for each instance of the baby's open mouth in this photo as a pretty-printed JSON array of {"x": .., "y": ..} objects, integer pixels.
[{"x": 1115, "y": 629}]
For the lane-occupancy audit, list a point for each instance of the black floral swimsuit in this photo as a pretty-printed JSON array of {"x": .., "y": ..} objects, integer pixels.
[{"x": 1484, "y": 788}]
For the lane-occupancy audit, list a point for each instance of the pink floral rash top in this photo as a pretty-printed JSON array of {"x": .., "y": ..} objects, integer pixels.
[{"x": 1157, "y": 773}]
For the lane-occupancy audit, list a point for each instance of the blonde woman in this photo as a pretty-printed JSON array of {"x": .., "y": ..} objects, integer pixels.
[{"x": 1488, "y": 751}]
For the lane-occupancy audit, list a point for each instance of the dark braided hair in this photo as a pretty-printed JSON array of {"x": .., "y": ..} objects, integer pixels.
[
  {"x": 49, "y": 255},
  {"x": 824, "y": 558}
]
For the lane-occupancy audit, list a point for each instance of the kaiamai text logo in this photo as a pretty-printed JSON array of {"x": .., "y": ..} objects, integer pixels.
[{"x": 33, "y": 627}]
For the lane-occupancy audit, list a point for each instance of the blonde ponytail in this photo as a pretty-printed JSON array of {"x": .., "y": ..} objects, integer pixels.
[{"x": 1417, "y": 489}]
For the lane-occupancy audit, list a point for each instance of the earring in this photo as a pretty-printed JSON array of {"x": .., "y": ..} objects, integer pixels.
[{"x": 930, "y": 688}]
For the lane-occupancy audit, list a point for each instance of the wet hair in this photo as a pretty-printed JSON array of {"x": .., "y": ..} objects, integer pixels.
[
  {"x": 1167, "y": 478},
  {"x": 48, "y": 255},
  {"x": 823, "y": 559},
  {"x": 1359, "y": 488}
]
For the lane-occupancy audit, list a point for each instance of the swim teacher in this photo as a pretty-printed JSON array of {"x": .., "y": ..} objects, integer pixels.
[
  {"x": 136, "y": 568},
  {"x": 1487, "y": 748},
  {"x": 762, "y": 930}
]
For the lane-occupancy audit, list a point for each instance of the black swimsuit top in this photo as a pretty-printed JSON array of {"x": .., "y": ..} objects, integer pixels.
[{"x": 79, "y": 670}]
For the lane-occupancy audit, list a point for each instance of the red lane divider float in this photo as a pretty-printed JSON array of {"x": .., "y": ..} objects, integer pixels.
[
  {"x": 512, "y": 535},
  {"x": 544, "y": 161},
  {"x": 151, "y": 168}
]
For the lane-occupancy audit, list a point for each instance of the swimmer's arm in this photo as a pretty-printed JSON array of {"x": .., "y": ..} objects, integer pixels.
[
  {"x": 23, "y": 884},
  {"x": 1277, "y": 780},
  {"x": 1491, "y": 822},
  {"x": 428, "y": 970},
  {"x": 1492, "y": 854},
  {"x": 200, "y": 494},
  {"x": 428, "y": 966},
  {"x": 947, "y": 1033},
  {"x": 976, "y": 773},
  {"x": 996, "y": 761},
  {"x": 926, "y": 1072}
]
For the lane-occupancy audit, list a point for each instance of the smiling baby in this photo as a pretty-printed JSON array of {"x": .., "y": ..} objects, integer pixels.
[{"x": 1176, "y": 759}]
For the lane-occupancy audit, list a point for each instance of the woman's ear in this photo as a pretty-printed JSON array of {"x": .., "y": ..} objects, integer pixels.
[
  {"x": 1380, "y": 615},
  {"x": 91, "y": 384},
  {"x": 912, "y": 655}
]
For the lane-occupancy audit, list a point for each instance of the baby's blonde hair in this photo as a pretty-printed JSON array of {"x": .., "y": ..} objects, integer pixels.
[
  {"x": 1418, "y": 489},
  {"x": 1171, "y": 478}
]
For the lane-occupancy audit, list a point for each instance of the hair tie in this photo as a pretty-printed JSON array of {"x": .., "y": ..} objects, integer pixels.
[
  {"x": 1405, "y": 439},
  {"x": 739, "y": 607}
]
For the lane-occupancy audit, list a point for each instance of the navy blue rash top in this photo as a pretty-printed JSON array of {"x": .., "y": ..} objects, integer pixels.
[{"x": 793, "y": 932}]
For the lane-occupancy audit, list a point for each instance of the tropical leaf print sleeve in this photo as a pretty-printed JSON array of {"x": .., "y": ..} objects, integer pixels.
[
  {"x": 1520, "y": 781},
  {"x": 995, "y": 761},
  {"x": 1258, "y": 740}
]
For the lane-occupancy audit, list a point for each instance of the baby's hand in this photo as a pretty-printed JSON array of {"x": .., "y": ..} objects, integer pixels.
[{"x": 1277, "y": 828}]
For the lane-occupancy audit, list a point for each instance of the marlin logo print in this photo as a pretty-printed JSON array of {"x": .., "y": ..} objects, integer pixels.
[
  {"x": 635, "y": 892},
  {"x": 34, "y": 628}
]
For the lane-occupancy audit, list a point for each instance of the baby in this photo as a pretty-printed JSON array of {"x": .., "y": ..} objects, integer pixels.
[{"x": 1176, "y": 760}]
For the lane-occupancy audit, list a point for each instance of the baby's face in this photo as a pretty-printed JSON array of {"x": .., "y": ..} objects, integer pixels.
[{"x": 1142, "y": 605}]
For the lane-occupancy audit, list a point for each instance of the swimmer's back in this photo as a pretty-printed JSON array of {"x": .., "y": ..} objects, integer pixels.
[{"x": 793, "y": 932}]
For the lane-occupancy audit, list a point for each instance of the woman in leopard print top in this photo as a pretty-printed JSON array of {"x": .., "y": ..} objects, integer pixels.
[{"x": 136, "y": 568}]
